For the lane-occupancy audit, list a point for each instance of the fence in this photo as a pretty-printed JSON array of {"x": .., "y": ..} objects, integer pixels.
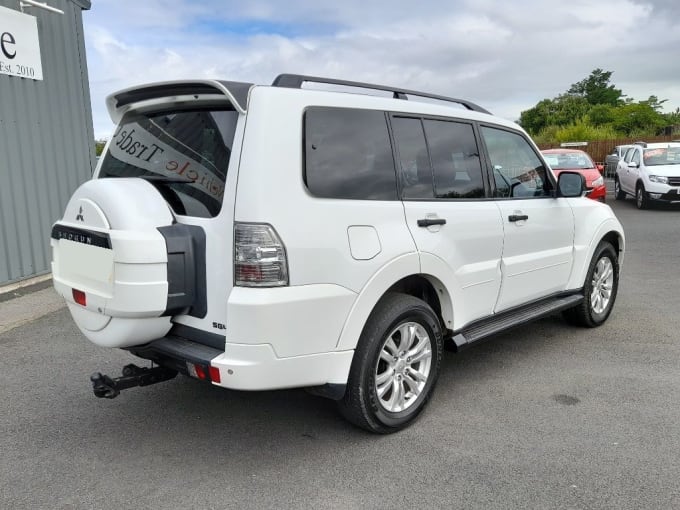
[{"x": 598, "y": 149}]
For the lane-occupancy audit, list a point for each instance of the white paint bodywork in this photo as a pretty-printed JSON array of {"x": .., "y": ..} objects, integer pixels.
[{"x": 343, "y": 255}]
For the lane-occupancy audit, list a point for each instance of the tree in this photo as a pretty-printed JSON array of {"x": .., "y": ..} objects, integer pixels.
[
  {"x": 563, "y": 110},
  {"x": 601, "y": 114},
  {"x": 99, "y": 146},
  {"x": 596, "y": 89},
  {"x": 654, "y": 102},
  {"x": 637, "y": 119}
]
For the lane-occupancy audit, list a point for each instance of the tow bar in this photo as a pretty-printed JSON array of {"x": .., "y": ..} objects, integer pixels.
[{"x": 107, "y": 387}]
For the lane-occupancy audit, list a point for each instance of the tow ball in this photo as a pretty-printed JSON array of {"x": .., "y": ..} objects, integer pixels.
[{"x": 107, "y": 387}]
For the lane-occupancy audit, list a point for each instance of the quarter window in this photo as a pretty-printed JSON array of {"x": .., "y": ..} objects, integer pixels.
[
  {"x": 517, "y": 170},
  {"x": 348, "y": 154}
]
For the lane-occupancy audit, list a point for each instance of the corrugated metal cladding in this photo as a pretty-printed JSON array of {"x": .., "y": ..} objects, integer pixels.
[{"x": 46, "y": 140}]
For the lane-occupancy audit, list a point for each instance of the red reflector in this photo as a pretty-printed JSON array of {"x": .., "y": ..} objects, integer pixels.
[
  {"x": 214, "y": 374},
  {"x": 79, "y": 297},
  {"x": 200, "y": 372}
]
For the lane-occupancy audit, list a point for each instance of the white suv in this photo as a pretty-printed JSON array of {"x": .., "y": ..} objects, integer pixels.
[
  {"x": 263, "y": 237},
  {"x": 651, "y": 173}
]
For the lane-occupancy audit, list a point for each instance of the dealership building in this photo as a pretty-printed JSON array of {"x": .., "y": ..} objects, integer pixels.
[{"x": 46, "y": 134}]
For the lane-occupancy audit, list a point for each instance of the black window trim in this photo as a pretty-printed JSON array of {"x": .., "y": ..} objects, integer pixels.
[
  {"x": 485, "y": 161},
  {"x": 485, "y": 178}
]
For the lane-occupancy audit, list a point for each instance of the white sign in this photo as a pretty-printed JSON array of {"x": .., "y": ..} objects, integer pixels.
[{"x": 19, "y": 45}]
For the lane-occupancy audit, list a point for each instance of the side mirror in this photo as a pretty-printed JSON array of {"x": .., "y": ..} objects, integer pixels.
[
  {"x": 570, "y": 184},
  {"x": 600, "y": 168},
  {"x": 632, "y": 164}
]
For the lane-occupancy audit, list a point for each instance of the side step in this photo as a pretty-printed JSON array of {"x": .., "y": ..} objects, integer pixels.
[{"x": 483, "y": 328}]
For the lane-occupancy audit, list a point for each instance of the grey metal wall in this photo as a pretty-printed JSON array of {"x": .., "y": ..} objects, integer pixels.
[{"x": 46, "y": 141}]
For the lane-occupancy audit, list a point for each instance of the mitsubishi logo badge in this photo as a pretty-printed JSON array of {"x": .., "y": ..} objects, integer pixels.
[{"x": 79, "y": 216}]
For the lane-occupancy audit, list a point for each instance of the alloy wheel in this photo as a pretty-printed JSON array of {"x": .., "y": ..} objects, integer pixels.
[
  {"x": 602, "y": 285},
  {"x": 403, "y": 367}
]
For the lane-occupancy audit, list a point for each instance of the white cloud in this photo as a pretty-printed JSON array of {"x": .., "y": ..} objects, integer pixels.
[{"x": 505, "y": 56}]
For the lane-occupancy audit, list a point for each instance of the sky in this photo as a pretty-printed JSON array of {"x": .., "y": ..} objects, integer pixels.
[{"x": 504, "y": 56}]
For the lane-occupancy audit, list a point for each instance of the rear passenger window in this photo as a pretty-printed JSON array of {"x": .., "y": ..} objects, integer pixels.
[
  {"x": 348, "y": 154},
  {"x": 455, "y": 159}
]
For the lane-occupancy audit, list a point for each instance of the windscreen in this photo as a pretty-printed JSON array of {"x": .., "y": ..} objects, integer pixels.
[
  {"x": 569, "y": 161},
  {"x": 661, "y": 156},
  {"x": 183, "y": 153}
]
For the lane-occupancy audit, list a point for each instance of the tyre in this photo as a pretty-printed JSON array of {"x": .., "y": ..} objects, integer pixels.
[
  {"x": 602, "y": 284},
  {"x": 395, "y": 366},
  {"x": 619, "y": 194},
  {"x": 641, "y": 197}
]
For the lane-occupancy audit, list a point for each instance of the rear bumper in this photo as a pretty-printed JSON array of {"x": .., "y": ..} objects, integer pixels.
[{"x": 249, "y": 367}]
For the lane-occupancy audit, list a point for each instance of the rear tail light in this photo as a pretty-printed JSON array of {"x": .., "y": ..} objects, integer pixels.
[
  {"x": 79, "y": 297},
  {"x": 259, "y": 256}
]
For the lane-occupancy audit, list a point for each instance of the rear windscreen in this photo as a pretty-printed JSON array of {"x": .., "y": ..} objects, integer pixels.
[{"x": 183, "y": 153}]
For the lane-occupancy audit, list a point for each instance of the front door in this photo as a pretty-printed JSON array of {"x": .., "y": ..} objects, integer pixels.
[
  {"x": 539, "y": 229},
  {"x": 626, "y": 175}
]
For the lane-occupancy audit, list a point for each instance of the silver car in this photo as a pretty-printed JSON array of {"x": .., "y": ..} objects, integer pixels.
[{"x": 612, "y": 159}]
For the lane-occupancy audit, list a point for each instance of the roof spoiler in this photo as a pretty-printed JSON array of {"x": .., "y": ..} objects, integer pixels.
[{"x": 120, "y": 102}]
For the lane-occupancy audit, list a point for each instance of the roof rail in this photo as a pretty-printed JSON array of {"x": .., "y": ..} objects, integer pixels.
[{"x": 295, "y": 81}]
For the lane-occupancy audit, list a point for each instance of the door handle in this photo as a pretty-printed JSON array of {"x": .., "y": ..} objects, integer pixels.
[
  {"x": 428, "y": 222},
  {"x": 518, "y": 217}
]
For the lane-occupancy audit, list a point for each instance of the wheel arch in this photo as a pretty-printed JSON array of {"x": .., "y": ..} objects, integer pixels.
[
  {"x": 400, "y": 275},
  {"x": 609, "y": 231}
]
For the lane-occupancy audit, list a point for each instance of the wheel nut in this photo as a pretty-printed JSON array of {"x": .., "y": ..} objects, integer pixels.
[{"x": 408, "y": 359}]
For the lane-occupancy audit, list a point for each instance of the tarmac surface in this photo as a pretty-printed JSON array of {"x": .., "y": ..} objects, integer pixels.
[{"x": 545, "y": 416}]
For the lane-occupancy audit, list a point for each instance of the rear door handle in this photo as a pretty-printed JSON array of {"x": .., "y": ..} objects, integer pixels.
[
  {"x": 428, "y": 222},
  {"x": 518, "y": 217}
]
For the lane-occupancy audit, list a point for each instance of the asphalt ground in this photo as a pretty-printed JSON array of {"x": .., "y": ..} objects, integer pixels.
[{"x": 545, "y": 416}]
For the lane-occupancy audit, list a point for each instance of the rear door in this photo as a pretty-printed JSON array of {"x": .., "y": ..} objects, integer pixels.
[
  {"x": 538, "y": 229},
  {"x": 185, "y": 152},
  {"x": 457, "y": 229}
]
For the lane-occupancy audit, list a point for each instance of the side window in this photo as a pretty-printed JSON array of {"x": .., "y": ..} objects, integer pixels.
[
  {"x": 635, "y": 158},
  {"x": 629, "y": 154},
  {"x": 414, "y": 164},
  {"x": 455, "y": 159},
  {"x": 348, "y": 154},
  {"x": 517, "y": 170}
]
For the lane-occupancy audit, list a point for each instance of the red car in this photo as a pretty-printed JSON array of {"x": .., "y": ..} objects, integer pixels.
[{"x": 572, "y": 159}]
